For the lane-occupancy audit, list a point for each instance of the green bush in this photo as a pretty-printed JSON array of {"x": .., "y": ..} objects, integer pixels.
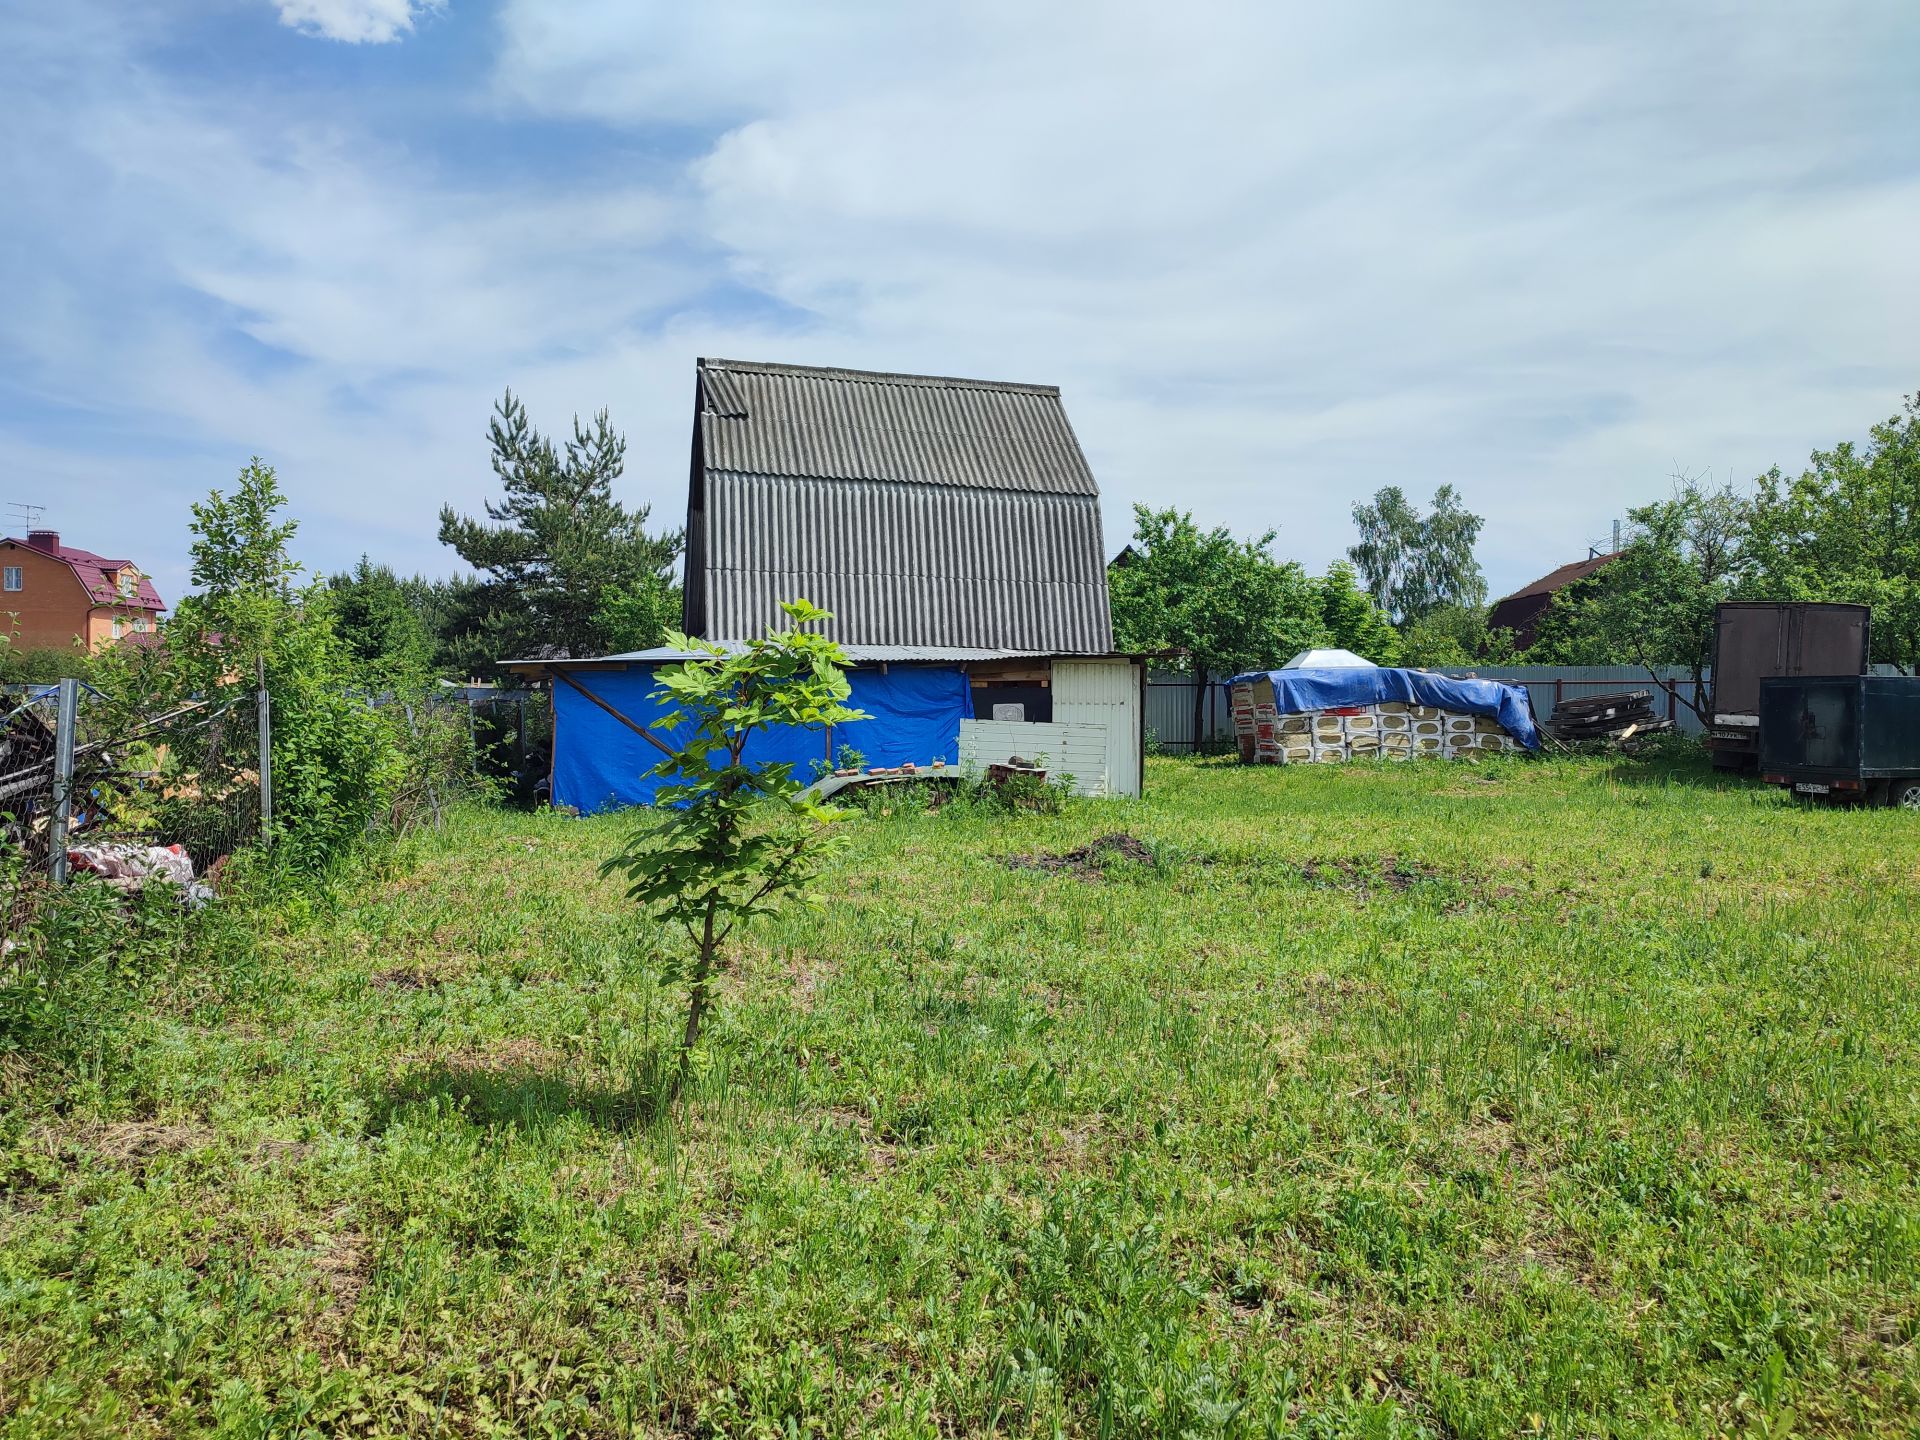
[
  {"x": 337, "y": 762},
  {"x": 92, "y": 958},
  {"x": 42, "y": 665}
]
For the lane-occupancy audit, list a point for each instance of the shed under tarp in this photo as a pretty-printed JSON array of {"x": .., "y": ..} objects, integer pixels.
[
  {"x": 1307, "y": 691},
  {"x": 601, "y": 763}
]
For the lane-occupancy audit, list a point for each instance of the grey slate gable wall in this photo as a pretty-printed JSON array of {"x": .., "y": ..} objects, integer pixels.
[{"x": 919, "y": 510}]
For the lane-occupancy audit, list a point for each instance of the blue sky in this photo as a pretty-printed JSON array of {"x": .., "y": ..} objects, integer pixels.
[{"x": 1275, "y": 257}]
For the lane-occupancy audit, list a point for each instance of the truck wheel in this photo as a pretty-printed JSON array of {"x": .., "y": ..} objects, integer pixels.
[{"x": 1904, "y": 794}]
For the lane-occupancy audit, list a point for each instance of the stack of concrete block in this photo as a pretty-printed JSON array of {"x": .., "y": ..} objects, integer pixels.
[{"x": 1390, "y": 730}]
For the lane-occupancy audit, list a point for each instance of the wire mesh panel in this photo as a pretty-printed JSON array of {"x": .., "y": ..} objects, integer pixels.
[
  {"x": 27, "y": 745},
  {"x": 166, "y": 792}
]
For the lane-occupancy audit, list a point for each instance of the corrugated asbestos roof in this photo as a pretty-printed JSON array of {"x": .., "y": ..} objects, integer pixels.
[
  {"x": 864, "y": 425},
  {"x": 922, "y": 511}
]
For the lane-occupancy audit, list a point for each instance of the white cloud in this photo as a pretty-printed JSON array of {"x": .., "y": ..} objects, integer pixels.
[
  {"x": 211, "y": 281},
  {"x": 357, "y": 22},
  {"x": 1275, "y": 256},
  {"x": 1278, "y": 256}
]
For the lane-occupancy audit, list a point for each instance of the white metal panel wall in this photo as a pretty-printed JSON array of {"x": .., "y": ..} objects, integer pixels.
[
  {"x": 1104, "y": 692},
  {"x": 1076, "y": 750}
]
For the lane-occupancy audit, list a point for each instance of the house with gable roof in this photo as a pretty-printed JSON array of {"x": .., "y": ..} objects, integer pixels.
[
  {"x": 53, "y": 596},
  {"x": 951, "y": 527}
]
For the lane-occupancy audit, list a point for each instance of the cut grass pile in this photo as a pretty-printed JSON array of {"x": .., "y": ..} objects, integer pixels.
[{"x": 1574, "y": 1098}]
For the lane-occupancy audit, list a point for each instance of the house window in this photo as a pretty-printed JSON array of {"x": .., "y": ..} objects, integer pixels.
[
  {"x": 139, "y": 624},
  {"x": 119, "y": 627},
  {"x": 15, "y": 581},
  {"x": 128, "y": 580}
]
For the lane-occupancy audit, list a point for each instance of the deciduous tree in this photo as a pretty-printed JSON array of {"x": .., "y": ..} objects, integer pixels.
[
  {"x": 1452, "y": 637},
  {"x": 1413, "y": 563},
  {"x": 334, "y": 760},
  {"x": 732, "y": 841},
  {"x": 1227, "y": 605},
  {"x": 1848, "y": 529},
  {"x": 1654, "y": 605},
  {"x": 1352, "y": 620}
]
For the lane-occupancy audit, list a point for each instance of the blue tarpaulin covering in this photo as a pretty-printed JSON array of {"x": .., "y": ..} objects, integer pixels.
[
  {"x": 1295, "y": 691},
  {"x": 601, "y": 764}
]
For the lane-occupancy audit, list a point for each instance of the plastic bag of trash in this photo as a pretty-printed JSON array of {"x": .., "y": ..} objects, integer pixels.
[{"x": 127, "y": 866}]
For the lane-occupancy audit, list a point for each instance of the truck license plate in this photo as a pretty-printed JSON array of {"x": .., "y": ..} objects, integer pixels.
[{"x": 1812, "y": 787}]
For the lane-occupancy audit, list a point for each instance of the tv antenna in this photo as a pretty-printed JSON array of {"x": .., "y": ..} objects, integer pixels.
[{"x": 29, "y": 514}]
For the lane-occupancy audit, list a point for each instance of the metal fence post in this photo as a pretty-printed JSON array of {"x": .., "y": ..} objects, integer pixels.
[
  {"x": 64, "y": 725},
  {"x": 264, "y": 705}
]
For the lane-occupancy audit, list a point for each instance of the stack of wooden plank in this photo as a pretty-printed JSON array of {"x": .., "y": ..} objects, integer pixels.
[{"x": 1619, "y": 719}]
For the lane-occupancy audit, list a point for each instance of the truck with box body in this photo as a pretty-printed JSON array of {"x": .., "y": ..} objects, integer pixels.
[
  {"x": 1843, "y": 737},
  {"x": 1754, "y": 641}
]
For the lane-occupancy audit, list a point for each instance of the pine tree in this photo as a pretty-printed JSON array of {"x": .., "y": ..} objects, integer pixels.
[
  {"x": 558, "y": 551},
  {"x": 377, "y": 616}
]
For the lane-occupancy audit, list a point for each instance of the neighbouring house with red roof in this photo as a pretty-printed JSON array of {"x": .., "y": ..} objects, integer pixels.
[
  {"x": 54, "y": 596},
  {"x": 1520, "y": 612}
]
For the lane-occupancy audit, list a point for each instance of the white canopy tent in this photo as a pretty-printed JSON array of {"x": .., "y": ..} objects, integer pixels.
[{"x": 1328, "y": 660}]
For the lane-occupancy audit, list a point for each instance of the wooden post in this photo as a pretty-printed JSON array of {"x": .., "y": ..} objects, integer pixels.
[
  {"x": 264, "y": 706},
  {"x": 633, "y": 725},
  {"x": 67, "y": 718}
]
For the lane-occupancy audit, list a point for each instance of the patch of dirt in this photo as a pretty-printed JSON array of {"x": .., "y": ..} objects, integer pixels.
[
  {"x": 520, "y": 1052},
  {"x": 1363, "y": 877},
  {"x": 499, "y": 1057},
  {"x": 1070, "y": 1149},
  {"x": 1085, "y": 863},
  {"x": 404, "y": 979},
  {"x": 1325, "y": 994}
]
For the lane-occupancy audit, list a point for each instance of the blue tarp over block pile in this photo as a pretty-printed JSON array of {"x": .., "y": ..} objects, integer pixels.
[
  {"x": 1301, "y": 691},
  {"x": 600, "y": 764}
]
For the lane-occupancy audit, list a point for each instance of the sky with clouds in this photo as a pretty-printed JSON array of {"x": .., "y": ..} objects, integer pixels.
[{"x": 1274, "y": 255}]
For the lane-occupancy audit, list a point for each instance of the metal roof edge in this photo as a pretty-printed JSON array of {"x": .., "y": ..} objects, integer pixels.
[
  {"x": 856, "y": 655},
  {"x": 901, "y": 377}
]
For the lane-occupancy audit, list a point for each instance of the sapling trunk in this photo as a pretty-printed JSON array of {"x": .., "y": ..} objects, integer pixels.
[{"x": 696, "y": 1004}]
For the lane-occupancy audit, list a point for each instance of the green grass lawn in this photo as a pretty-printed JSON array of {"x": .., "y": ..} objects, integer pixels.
[{"x": 1574, "y": 1098}]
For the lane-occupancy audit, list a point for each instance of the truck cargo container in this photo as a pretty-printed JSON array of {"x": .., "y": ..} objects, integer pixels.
[
  {"x": 1756, "y": 640},
  {"x": 1843, "y": 737}
]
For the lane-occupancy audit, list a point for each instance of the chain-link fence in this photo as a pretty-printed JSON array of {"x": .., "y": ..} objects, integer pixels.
[
  {"x": 509, "y": 733},
  {"x": 125, "y": 789},
  {"x": 88, "y": 783}
]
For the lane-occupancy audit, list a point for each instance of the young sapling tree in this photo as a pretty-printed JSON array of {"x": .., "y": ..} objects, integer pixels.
[{"x": 732, "y": 841}]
